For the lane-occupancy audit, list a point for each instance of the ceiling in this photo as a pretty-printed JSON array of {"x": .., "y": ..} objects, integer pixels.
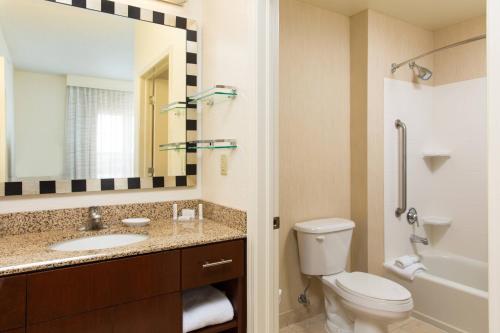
[
  {"x": 428, "y": 14},
  {"x": 46, "y": 37}
]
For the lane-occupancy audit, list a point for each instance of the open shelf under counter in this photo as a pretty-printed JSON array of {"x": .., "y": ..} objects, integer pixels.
[{"x": 218, "y": 328}]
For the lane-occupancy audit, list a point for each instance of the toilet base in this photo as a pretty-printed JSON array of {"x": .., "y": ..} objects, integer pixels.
[
  {"x": 368, "y": 326},
  {"x": 345, "y": 317},
  {"x": 337, "y": 319}
]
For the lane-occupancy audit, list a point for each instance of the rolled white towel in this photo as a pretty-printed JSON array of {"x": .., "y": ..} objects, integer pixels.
[
  {"x": 407, "y": 260},
  {"x": 407, "y": 273},
  {"x": 205, "y": 306}
]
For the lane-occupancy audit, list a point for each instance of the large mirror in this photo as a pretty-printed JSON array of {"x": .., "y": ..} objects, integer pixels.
[{"x": 89, "y": 95}]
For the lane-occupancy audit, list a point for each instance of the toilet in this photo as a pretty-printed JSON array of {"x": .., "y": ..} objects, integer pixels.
[{"x": 354, "y": 302}]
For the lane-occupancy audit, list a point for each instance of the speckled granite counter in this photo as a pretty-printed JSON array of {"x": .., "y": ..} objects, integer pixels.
[{"x": 30, "y": 252}]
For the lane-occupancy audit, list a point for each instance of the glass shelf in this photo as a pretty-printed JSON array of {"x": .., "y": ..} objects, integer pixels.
[
  {"x": 201, "y": 144},
  {"x": 214, "y": 94},
  {"x": 175, "y": 106}
]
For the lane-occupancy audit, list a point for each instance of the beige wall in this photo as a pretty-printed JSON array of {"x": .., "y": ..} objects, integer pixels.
[
  {"x": 465, "y": 62},
  {"x": 359, "y": 142},
  {"x": 227, "y": 60},
  {"x": 229, "y": 56},
  {"x": 39, "y": 131},
  {"x": 388, "y": 40},
  {"x": 6, "y": 108},
  {"x": 4, "y": 163},
  {"x": 313, "y": 134}
]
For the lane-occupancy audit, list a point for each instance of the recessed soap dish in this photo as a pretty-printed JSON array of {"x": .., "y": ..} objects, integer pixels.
[
  {"x": 436, "y": 154},
  {"x": 437, "y": 221}
]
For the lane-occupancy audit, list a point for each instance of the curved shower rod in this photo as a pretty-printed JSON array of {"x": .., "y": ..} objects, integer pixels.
[{"x": 395, "y": 66}]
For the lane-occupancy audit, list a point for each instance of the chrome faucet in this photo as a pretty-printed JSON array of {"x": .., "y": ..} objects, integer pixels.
[
  {"x": 417, "y": 239},
  {"x": 94, "y": 222},
  {"x": 412, "y": 218}
]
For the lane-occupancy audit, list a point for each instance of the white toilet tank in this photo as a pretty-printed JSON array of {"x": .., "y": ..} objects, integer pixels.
[{"x": 324, "y": 245}]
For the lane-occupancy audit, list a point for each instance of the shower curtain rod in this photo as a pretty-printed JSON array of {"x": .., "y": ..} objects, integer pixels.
[{"x": 395, "y": 66}]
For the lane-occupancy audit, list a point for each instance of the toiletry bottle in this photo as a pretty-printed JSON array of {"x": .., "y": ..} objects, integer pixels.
[
  {"x": 200, "y": 211},
  {"x": 174, "y": 215}
]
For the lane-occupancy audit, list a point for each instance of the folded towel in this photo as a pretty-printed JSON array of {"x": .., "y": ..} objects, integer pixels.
[
  {"x": 205, "y": 306},
  {"x": 405, "y": 261},
  {"x": 407, "y": 273}
]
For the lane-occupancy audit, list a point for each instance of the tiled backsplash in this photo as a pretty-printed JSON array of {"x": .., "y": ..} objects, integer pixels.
[{"x": 46, "y": 220}]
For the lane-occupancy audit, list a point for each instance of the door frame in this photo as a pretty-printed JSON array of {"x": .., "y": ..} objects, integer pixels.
[
  {"x": 263, "y": 303},
  {"x": 493, "y": 84}
]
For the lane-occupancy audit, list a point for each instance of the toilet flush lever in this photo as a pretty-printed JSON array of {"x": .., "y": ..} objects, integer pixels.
[
  {"x": 320, "y": 238},
  {"x": 412, "y": 216}
]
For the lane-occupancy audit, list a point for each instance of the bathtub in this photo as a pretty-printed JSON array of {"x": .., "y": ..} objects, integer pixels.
[{"x": 452, "y": 294}]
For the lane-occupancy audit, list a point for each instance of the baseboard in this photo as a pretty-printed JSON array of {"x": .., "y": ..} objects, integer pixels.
[{"x": 438, "y": 323}]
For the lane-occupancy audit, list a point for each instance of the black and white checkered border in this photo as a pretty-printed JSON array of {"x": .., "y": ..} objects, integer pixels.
[{"x": 93, "y": 185}]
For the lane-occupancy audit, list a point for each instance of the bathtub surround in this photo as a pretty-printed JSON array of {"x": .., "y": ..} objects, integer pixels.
[
  {"x": 48, "y": 220},
  {"x": 454, "y": 187}
]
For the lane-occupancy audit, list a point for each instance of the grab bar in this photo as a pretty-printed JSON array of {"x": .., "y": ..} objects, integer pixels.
[{"x": 402, "y": 169}]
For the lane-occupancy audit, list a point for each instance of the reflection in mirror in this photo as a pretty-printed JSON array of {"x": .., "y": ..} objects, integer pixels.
[{"x": 83, "y": 93}]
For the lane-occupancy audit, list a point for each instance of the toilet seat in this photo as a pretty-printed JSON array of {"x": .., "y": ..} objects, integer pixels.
[{"x": 370, "y": 291}]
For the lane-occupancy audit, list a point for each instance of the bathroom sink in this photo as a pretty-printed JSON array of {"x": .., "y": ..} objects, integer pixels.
[{"x": 98, "y": 242}]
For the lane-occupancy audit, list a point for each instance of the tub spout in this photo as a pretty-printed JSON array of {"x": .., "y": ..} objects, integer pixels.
[{"x": 417, "y": 239}]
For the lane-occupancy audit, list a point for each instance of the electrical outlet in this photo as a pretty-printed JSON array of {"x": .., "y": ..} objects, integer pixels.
[{"x": 223, "y": 165}]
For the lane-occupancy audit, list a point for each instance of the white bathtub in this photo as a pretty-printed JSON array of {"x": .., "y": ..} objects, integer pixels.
[{"x": 452, "y": 295}]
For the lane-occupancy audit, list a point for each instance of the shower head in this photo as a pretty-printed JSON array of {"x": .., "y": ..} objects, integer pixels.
[{"x": 422, "y": 72}]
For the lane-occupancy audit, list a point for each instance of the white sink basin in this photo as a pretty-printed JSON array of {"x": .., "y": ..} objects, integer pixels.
[{"x": 98, "y": 242}]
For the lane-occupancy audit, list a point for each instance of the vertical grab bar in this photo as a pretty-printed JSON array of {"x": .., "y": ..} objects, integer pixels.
[{"x": 402, "y": 168}]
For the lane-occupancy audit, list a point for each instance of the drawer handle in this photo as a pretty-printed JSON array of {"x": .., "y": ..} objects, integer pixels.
[{"x": 217, "y": 263}]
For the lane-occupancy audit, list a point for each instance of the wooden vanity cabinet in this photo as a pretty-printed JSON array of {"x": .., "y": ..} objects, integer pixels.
[
  {"x": 12, "y": 303},
  {"x": 135, "y": 294},
  {"x": 73, "y": 290}
]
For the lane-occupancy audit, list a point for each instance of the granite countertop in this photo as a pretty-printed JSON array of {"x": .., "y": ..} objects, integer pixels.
[{"x": 30, "y": 252}]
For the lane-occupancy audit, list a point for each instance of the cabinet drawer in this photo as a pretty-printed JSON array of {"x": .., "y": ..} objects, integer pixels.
[
  {"x": 12, "y": 302},
  {"x": 17, "y": 330},
  {"x": 74, "y": 290},
  {"x": 161, "y": 314},
  {"x": 99, "y": 321},
  {"x": 212, "y": 263}
]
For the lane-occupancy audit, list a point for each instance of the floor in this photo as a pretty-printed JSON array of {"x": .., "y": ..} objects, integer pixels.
[{"x": 315, "y": 325}]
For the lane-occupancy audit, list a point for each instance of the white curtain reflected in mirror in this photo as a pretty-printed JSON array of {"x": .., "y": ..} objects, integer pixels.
[{"x": 99, "y": 133}]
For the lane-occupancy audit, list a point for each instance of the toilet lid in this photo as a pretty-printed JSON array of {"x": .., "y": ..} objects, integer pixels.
[
  {"x": 372, "y": 286},
  {"x": 323, "y": 226}
]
